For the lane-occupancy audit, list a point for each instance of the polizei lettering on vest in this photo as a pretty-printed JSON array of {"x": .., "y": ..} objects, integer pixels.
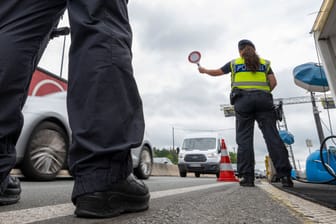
[{"x": 242, "y": 68}]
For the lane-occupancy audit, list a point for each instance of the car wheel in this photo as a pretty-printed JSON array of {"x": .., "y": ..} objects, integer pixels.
[
  {"x": 217, "y": 175},
  {"x": 144, "y": 169},
  {"x": 197, "y": 174},
  {"x": 46, "y": 152},
  {"x": 183, "y": 174}
]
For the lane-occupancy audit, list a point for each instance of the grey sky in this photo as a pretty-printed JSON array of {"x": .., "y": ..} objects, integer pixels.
[{"x": 176, "y": 95}]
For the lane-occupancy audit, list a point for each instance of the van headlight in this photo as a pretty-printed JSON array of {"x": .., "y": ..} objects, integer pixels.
[
  {"x": 212, "y": 155},
  {"x": 181, "y": 155}
]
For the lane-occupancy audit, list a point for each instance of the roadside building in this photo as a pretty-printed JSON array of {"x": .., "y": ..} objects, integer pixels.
[{"x": 324, "y": 32}]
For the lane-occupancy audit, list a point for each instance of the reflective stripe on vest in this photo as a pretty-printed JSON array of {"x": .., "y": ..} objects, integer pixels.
[{"x": 244, "y": 79}]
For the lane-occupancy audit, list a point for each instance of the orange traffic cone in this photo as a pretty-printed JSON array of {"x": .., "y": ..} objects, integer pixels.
[{"x": 226, "y": 171}]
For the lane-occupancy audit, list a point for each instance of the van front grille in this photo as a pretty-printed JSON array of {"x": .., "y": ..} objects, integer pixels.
[{"x": 195, "y": 158}]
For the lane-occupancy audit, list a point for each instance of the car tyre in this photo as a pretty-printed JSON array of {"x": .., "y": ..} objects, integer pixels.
[
  {"x": 197, "y": 174},
  {"x": 183, "y": 174},
  {"x": 46, "y": 152},
  {"x": 144, "y": 169}
]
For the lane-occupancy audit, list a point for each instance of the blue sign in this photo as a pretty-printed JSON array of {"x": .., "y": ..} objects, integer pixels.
[{"x": 311, "y": 76}]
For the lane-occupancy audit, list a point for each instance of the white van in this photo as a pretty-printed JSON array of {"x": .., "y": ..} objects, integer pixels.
[{"x": 200, "y": 153}]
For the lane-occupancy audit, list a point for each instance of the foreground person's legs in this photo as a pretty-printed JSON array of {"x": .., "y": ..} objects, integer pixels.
[{"x": 105, "y": 110}]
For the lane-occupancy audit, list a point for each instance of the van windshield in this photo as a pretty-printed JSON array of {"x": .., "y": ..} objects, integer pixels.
[{"x": 199, "y": 143}]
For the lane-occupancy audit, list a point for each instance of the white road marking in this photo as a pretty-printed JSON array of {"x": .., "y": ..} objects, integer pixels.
[
  {"x": 36, "y": 214},
  {"x": 30, "y": 215},
  {"x": 160, "y": 194}
]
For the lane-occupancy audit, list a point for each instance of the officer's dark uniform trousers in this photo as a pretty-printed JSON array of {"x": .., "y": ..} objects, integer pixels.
[
  {"x": 104, "y": 106},
  {"x": 251, "y": 106}
]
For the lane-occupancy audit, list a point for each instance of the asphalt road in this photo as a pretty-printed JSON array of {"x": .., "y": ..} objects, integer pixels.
[{"x": 173, "y": 200}]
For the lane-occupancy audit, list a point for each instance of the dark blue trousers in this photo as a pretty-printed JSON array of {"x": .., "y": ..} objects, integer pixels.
[
  {"x": 253, "y": 106},
  {"x": 104, "y": 106}
]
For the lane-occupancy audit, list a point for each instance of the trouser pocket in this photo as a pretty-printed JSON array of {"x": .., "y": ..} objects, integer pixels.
[{"x": 234, "y": 95}]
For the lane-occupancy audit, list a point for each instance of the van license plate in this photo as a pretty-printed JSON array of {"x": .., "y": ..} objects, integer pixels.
[{"x": 195, "y": 165}]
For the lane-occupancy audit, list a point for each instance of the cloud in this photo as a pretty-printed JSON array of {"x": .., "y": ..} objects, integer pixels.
[
  {"x": 177, "y": 98},
  {"x": 165, "y": 29}
]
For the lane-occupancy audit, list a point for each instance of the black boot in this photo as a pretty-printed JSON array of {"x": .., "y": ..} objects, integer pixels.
[
  {"x": 247, "y": 181},
  {"x": 287, "y": 181},
  {"x": 11, "y": 194},
  {"x": 130, "y": 195}
]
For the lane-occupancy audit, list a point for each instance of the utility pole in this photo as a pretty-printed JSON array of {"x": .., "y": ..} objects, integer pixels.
[
  {"x": 317, "y": 118},
  {"x": 62, "y": 59},
  {"x": 173, "y": 138},
  {"x": 61, "y": 31}
]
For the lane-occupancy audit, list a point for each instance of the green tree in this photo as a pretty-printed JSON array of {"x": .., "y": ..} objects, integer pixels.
[
  {"x": 233, "y": 157},
  {"x": 168, "y": 153}
]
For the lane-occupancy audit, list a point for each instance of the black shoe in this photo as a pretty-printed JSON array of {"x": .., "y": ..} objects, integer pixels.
[
  {"x": 130, "y": 195},
  {"x": 287, "y": 181},
  {"x": 247, "y": 182},
  {"x": 11, "y": 194}
]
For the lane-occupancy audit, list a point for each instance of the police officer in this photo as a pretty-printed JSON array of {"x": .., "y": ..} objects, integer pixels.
[
  {"x": 252, "y": 81},
  {"x": 104, "y": 106}
]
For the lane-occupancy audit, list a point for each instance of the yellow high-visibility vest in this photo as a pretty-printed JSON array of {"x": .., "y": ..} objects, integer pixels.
[{"x": 242, "y": 78}]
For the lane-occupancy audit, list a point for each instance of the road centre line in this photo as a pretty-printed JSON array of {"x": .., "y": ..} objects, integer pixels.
[
  {"x": 24, "y": 216},
  {"x": 160, "y": 194}
]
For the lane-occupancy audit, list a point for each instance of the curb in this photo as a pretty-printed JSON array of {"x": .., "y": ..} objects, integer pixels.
[{"x": 158, "y": 170}]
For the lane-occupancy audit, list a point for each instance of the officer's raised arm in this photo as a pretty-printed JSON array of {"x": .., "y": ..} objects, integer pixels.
[{"x": 212, "y": 72}]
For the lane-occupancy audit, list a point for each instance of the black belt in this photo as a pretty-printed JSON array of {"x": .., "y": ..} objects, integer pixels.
[{"x": 253, "y": 91}]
